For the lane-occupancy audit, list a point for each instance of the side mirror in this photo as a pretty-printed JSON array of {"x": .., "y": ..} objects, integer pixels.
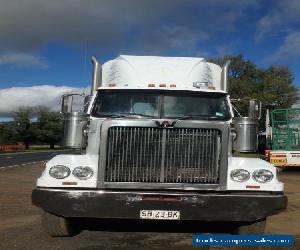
[
  {"x": 66, "y": 104},
  {"x": 255, "y": 109}
]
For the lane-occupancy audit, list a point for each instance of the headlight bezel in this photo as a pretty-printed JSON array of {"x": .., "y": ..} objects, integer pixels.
[
  {"x": 65, "y": 168},
  {"x": 254, "y": 175},
  {"x": 234, "y": 171},
  {"x": 80, "y": 168}
]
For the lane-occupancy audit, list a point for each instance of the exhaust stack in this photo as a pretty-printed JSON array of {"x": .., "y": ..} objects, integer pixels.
[
  {"x": 224, "y": 77},
  {"x": 97, "y": 75}
]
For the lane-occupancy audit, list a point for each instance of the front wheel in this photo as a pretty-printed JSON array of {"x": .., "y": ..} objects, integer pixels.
[
  {"x": 280, "y": 169},
  {"x": 257, "y": 227},
  {"x": 57, "y": 226}
]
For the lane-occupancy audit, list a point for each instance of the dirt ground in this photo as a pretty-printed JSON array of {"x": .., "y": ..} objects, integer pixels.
[{"x": 20, "y": 221}]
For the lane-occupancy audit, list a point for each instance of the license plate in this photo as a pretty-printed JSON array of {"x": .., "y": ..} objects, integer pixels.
[
  {"x": 278, "y": 161},
  {"x": 160, "y": 214}
]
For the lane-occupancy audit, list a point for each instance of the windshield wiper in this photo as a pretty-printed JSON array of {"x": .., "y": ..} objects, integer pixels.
[
  {"x": 186, "y": 117},
  {"x": 136, "y": 114},
  {"x": 127, "y": 114},
  {"x": 205, "y": 117},
  {"x": 211, "y": 117}
]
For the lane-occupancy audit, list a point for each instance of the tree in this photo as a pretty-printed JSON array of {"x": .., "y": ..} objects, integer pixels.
[
  {"x": 273, "y": 86},
  {"x": 279, "y": 90},
  {"x": 49, "y": 126},
  {"x": 22, "y": 127},
  {"x": 7, "y": 134},
  {"x": 33, "y": 125}
]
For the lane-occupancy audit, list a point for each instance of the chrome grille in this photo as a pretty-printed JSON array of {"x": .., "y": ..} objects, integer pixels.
[{"x": 176, "y": 155}]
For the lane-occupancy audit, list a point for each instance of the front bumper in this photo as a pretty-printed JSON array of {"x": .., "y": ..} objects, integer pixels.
[{"x": 216, "y": 206}]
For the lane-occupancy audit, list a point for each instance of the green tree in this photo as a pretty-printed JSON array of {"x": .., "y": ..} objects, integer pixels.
[
  {"x": 7, "y": 133},
  {"x": 279, "y": 90},
  {"x": 273, "y": 86},
  {"x": 22, "y": 126},
  {"x": 49, "y": 126}
]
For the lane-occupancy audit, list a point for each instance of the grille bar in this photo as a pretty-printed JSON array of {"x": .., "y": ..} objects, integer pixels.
[{"x": 156, "y": 155}]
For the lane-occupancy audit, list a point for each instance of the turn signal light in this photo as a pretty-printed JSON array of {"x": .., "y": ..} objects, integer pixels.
[
  {"x": 252, "y": 186},
  {"x": 69, "y": 183}
]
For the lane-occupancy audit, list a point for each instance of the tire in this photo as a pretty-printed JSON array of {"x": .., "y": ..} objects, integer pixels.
[
  {"x": 57, "y": 226},
  {"x": 280, "y": 169},
  {"x": 257, "y": 227}
]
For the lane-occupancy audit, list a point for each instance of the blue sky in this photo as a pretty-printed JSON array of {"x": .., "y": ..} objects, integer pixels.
[{"x": 49, "y": 43}]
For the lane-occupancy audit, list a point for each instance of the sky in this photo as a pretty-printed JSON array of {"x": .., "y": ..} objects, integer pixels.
[{"x": 46, "y": 46}]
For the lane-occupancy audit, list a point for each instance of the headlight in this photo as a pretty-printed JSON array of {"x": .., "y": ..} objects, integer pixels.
[
  {"x": 240, "y": 175},
  {"x": 83, "y": 173},
  {"x": 59, "y": 172},
  {"x": 262, "y": 175}
]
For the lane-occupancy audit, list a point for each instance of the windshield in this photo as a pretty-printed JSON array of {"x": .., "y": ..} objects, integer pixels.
[{"x": 161, "y": 104}]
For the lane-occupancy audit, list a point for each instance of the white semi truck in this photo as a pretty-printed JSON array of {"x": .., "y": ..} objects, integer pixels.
[{"x": 156, "y": 136}]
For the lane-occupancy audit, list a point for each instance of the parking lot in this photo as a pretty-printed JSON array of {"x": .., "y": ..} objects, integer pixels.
[{"x": 20, "y": 226}]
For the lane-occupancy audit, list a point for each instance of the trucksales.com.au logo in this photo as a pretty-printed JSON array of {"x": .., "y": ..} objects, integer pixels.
[{"x": 243, "y": 240}]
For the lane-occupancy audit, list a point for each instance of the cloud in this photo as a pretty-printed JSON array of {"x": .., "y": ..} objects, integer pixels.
[
  {"x": 11, "y": 99},
  {"x": 28, "y": 26},
  {"x": 281, "y": 17},
  {"x": 177, "y": 38},
  {"x": 22, "y": 60},
  {"x": 289, "y": 50}
]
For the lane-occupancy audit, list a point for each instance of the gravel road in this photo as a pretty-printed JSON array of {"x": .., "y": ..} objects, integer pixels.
[{"x": 20, "y": 221}]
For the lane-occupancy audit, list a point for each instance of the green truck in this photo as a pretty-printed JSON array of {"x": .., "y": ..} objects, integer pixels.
[{"x": 283, "y": 137}]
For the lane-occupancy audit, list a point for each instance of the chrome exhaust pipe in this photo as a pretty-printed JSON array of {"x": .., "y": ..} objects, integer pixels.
[
  {"x": 97, "y": 75},
  {"x": 224, "y": 77}
]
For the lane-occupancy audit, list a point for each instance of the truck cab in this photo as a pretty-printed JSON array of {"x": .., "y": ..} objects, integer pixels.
[{"x": 156, "y": 137}]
